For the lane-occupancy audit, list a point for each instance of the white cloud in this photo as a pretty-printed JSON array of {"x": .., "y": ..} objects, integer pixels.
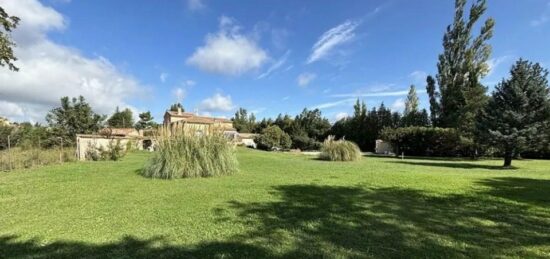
[
  {"x": 217, "y": 103},
  {"x": 163, "y": 77},
  {"x": 9, "y": 109},
  {"x": 305, "y": 78},
  {"x": 494, "y": 63},
  {"x": 418, "y": 77},
  {"x": 334, "y": 104},
  {"x": 228, "y": 52},
  {"x": 341, "y": 115},
  {"x": 331, "y": 39},
  {"x": 544, "y": 18},
  {"x": 195, "y": 5},
  {"x": 179, "y": 93},
  {"x": 286, "y": 98},
  {"x": 398, "y": 105},
  {"x": 49, "y": 70},
  {"x": 377, "y": 94},
  {"x": 275, "y": 65}
]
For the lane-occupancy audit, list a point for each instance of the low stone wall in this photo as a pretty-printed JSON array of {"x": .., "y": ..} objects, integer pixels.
[{"x": 86, "y": 142}]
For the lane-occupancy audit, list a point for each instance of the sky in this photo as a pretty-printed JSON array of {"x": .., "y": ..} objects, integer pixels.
[{"x": 269, "y": 56}]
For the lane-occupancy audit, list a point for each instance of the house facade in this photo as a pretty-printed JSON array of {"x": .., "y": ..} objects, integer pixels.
[{"x": 195, "y": 122}]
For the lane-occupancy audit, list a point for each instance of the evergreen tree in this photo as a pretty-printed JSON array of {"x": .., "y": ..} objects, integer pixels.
[
  {"x": 434, "y": 101},
  {"x": 71, "y": 118},
  {"x": 121, "y": 119},
  {"x": 411, "y": 104},
  {"x": 460, "y": 68},
  {"x": 145, "y": 121},
  {"x": 518, "y": 111},
  {"x": 174, "y": 107},
  {"x": 243, "y": 122}
]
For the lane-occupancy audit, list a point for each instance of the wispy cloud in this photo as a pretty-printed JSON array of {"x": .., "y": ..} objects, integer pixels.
[
  {"x": 163, "y": 77},
  {"x": 280, "y": 62},
  {"x": 543, "y": 18},
  {"x": 377, "y": 94},
  {"x": 494, "y": 63},
  {"x": 327, "y": 105},
  {"x": 418, "y": 77},
  {"x": 398, "y": 105},
  {"x": 195, "y": 5},
  {"x": 331, "y": 39},
  {"x": 305, "y": 78}
]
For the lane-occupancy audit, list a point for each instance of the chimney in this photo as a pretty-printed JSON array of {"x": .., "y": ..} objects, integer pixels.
[{"x": 179, "y": 110}]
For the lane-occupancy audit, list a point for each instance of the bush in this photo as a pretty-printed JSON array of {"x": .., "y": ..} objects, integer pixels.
[
  {"x": 273, "y": 138},
  {"x": 425, "y": 141},
  {"x": 114, "y": 151},
  {"x": 183, "y": 153},
  {"x": 305, "y": 143},
  {"x": 339, "y": 150}
]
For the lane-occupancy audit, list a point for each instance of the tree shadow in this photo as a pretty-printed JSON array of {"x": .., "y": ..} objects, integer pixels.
[
  {"x": 524, "y": 190},
  {"x": 318, "y": 221},
  {"x": 454, "y": 165},
  {"x": 329, "y": 221}
]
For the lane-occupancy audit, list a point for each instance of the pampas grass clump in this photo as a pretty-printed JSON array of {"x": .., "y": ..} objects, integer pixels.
[
  {"x": 183, "y": 152},
  {"x": 339, "y": 150}
]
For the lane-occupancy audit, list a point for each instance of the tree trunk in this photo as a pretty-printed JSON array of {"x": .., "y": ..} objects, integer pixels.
[{"x": 508, "y": 159}]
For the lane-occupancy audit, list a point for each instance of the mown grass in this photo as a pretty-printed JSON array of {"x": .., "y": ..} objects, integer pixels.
[{"x": 280, "y": 206}]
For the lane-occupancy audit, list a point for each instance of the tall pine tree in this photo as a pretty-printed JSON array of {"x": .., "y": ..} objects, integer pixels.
[{"x": 518, "y": 111}]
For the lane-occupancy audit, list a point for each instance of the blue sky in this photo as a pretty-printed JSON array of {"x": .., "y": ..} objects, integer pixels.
[{"x": 269, "y": 57}]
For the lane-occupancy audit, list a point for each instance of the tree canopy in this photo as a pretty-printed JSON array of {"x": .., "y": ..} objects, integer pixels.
[{"x": 7, "y": 57}]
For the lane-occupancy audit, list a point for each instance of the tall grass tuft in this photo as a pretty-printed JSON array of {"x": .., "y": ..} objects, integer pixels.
[
  {"x": 183, "y": 151},
  {"x": 339, "y": 150}
]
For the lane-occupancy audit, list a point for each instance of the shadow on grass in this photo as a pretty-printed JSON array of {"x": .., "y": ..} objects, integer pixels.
[
  {"x": 312, "y": 221},
  {"x": 455, "y": 165}
]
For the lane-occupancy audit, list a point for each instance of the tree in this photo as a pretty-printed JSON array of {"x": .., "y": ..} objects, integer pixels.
[
  {"x": 411, "y": 104},
  {"x": 121, "y": 119},
  {"x": 273, "y": 137},
  {"x": 145, "y": 121},
  {"x": 73, "y": 117},
  {"x": 243, "y": 122},
  {"x": 434, "y": 101},
  {"x": 176, "y": 106},
  {"x": 518, "y": 110},
  {"x": 6, "y": 44},
  {"x": 460, "y": 68}
]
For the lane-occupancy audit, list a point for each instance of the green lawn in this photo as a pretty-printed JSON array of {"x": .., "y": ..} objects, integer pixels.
[{"x": 279, "y": 205}]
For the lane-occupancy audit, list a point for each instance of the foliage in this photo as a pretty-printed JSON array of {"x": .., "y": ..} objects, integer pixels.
[
  {"x": 71, "y": 118},
  {"x": 7, "y": 57},
  {"x": 364, "y": 126},
  {"x": 26, "y": 135},
  {"x": 461, "y": 66},
  {"x": 145, "y": 121},
  {"x": 176, "y": 106},
  {"x": 243, "y": 122},
  {"x": 19, "y": 158},
  {"x": 280, "y": 206},
  {"x": 424, "y": 141},
  {"x": 121, "y": 119},
  {"x": 304, "y": 142},
  {"x": 114, "y": 151},
  {"x": 311, "y": 123},
  {"x": 518, "y": 113},
  {"x": 411, "y": 104},
  {"x": 182, "y": 153},
  {"x": 273, "y": 137},
  {"x": 339, "y": 150}
]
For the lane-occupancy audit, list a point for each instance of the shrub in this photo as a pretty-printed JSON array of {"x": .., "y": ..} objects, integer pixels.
[
  {"x": 426, "y": 141},
  {"x": 339, "y": 150},
  {"x": 183, "y": 152},
  {"x": 114, "y": 151},
  {"x": 272, "y": 138},
  {"x": 305, "y": 143}
]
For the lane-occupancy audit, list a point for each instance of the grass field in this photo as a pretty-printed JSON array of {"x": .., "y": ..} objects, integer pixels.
[{"x": 279, "y": 205}]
